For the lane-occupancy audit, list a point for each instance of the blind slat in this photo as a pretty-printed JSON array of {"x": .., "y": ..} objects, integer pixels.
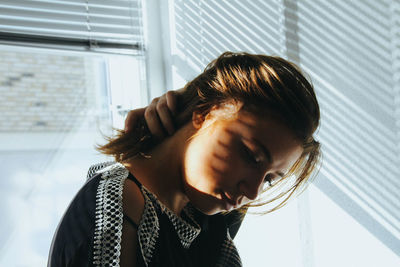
[
  {"x": 27, "y": 17},
  {"x": 78, "y": 12},
  {"x": 100, "y": 11},
  {"x": 111, "y": 4},
  {"x": 53, "y": 5},
  {"x": 40, "y": 25}
]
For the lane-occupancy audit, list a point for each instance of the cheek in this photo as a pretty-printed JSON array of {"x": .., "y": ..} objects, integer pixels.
[
  {"x": 219, "y": 161},
  {"x": 225, "y": 158},
  {"x": 215, "y": 164},
  {"x": 229, "y": 171},
  {"x": 206, "y": 168}
]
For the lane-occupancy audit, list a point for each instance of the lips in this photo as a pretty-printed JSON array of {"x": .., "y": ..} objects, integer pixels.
[{"x": 231, "y": 204}]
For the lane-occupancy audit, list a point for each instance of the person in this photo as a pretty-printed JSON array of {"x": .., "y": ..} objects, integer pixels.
[{"x": 190, "y": 164}]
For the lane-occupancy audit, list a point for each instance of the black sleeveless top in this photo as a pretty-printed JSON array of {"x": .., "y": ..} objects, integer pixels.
[{"x": 89, "y": 233}]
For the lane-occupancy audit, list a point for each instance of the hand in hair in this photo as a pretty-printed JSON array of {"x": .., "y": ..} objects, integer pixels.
[{"x": 158, "y": 115}]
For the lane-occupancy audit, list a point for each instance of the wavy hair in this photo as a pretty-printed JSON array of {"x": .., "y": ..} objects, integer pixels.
[{"x": 261, "y": 83}]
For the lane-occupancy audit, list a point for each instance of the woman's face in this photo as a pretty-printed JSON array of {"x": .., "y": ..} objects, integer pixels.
[{"x": 227, "y": 164}]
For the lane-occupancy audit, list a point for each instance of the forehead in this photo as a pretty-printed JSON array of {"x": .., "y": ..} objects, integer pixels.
[{"x": 269, "y": 131}]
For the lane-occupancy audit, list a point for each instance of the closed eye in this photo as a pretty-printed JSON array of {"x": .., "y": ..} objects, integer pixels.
[{"x": 249, "y": 155}]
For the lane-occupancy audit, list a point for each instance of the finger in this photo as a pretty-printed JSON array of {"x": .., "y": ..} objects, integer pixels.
[
  {"x": 171, "y": 97},
  {"x": 132, "y": 118},
  {"x": 153, "y": 121},
  {"x": 165, "y": 116}
]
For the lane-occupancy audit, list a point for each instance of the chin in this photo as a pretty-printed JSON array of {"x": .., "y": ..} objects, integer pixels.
[
  {"x": 207, "y": 210},
  {"x": 206, "y": 203},
  {"x": 210, "y": 212}
]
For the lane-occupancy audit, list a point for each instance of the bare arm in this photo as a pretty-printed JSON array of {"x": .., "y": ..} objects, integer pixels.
[
  {"x": 133, "y": 206},
  {"x": 129, "y": 243}
]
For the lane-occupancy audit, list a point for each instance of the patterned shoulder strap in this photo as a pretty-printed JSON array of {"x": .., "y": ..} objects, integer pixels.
[
  {"x": 97, "y": 167},
  {"x": 109, "y": 216}
]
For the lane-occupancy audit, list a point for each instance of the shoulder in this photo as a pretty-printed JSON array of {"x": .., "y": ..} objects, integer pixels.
[
  {"x": 116, "y": 186},
  {"x": 74, "y": 233},
  {"x": 117, "y": 189}
]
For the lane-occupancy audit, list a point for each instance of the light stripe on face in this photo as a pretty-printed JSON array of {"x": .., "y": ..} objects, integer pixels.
[{"x": 234, "y": 157}]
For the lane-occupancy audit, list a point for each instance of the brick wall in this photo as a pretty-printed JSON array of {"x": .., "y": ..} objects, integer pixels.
[{"x": 47, "y": 92}]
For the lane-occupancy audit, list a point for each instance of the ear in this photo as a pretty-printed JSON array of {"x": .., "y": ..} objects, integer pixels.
[{"x": 197, "y": 120}]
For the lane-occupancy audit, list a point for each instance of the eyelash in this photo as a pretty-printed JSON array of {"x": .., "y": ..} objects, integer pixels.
[
  {"x": 249, "y": 155},
  {"x": 268, "y": 179}
]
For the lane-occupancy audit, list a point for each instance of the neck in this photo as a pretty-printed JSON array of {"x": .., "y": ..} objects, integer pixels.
[{"x": 161, "y": 171}]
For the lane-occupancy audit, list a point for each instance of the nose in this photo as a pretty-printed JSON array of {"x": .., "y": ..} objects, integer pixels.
[{"x": 250, "y": 187}]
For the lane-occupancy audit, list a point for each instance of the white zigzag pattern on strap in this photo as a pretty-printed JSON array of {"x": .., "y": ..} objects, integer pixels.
[{"x": 109, "y": 216}]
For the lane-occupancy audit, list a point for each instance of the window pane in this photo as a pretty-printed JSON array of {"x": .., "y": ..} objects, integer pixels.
[{"x": 54, "y": 107}]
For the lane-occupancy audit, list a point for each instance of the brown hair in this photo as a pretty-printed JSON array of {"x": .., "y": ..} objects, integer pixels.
[{"x": 261, "y": 83}]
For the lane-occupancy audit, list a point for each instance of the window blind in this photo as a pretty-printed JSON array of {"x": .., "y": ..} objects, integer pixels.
[
  {"x": 351, "y": 51},
  {"x": 100, "y": 25},
  {"x": 204, "y": 29}
]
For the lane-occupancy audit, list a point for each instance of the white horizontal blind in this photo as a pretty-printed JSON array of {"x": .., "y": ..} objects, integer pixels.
[
  {"x": 206, "y": 28},
  {"x": 93, "y": 24},
  {"x": 351, "y": 50}
]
